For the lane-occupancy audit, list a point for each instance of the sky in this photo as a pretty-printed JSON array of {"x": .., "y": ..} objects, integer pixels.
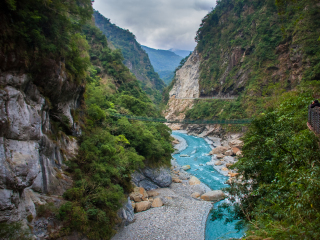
[{"x": 159, "y": 24}]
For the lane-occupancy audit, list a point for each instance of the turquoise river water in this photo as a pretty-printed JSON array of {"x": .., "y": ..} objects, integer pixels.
[{"x": 197, "y": 149}]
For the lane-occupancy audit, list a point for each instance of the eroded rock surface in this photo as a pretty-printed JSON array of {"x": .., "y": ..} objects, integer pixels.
[{"x": 32, "y": 151}]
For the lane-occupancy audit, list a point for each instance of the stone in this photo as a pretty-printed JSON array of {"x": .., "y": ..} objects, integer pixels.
[
  {"x": 142, "y": 206},
  {"x": 137, "y": 177},
  {"x": 135, "y": 196},
  {"x": 141, "y": 191},
  {"x": 229, "y": 165},
  {"x": 150, "y": 199},
  {"x": 186, "y": 167},
  {"x": 176, "y": 180},
  {"x": 152, "y": 193},
  {"x": 216, "y": 195},
  {"x": 219, "y": 150},
  {"x": 220, "y": 156},
  {"x": 239, "y": 153},
  {"x": 224, "y": 169},
  {"x": 231, "y": 174},
  {"x": 184, "y": 155},
  {"x": 235, "y": 150},
  {"x": 218, "y": 163},
  {"x": 236, "y": 144},
  {"x": 195, "y": 195},
  {"x": 133, "y": 204},
  {"x": 229, "y": 153},
  {"x": 157, "y": 203},
  {"x": 194, "y": 181},
  {"x": 160, "y": 176},
  {"x": 148, "y": 185},
  {"x": 126, "y": 213}
]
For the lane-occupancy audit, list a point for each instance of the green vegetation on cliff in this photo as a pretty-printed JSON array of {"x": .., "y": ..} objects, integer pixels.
[
  {"x": 44, "y": 34},
  {"x": 111, "y": 149},
  {"x": 248, "y": 50},
  {"x": 278, "y": 194},
  {"x": 135, "y": 58}
]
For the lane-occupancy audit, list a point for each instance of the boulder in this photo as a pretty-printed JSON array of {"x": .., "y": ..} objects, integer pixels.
[
  {"x": 135, "y": 196},
  {"x": 231, "y": 174},
  {"x": 236, "y": 144},
  {"x": 160, "y": 176},
  {"x": 126, "y": 213},
  {"x": 239, "y": 153},
  {"x": 176, "y": 180},
  {"x": 220, "y": 156},
  {"x": 151, "y": 199},
  {"x": 137, "y": 177},
  {"x": 216, "y": 195},
  {"x": 219, "y": 150},
  {"x": 218, "y": 163},
  {"x": 142, "y": 206},
  {"x": 228, "y": 153},
  {"x": 186, "y": 167},
  {"x": 235, "y": 150},
  {"x": 157, "y": 203},
  {"x": 229, "y": 165},
  {"x": 148, "y": 185},
  {"x": 195, "y": 195},
  {"x": 142, "y": 191},
  {"x": 152, "y": 193},
  {"x": 133, "y": 204},
  {"x": 224, "y": 169},
  {"x": 194, "y": 181}
]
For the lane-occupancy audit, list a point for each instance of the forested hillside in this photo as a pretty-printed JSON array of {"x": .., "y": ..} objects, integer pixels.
[
  {"x": 60, "y": 78},
  {"x": 249, "y": 50},
  {"x": 164, "y": 62},
  {"x": 135, "y": 58},
  {"x": 266, "y": 53}
]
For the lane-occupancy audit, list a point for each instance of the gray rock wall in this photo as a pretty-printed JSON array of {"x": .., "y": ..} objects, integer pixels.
[{"x": 32, "y": 150}]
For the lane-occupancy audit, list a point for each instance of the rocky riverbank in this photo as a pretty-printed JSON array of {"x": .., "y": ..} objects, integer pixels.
[{"x": 178, "y": 211}]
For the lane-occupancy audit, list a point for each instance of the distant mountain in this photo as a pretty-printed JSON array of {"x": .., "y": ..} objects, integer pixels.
[
  {"x": 135, "y": 58},
  {"x": 164, "y": 62},
  {"x": 181, "y": 53}
]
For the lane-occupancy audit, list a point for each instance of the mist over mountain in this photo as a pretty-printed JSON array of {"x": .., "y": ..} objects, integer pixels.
[
  {"x": 134, "y": 57},
  {"x": 164, "y": 62},
  {"x": 182, "y": 53}
]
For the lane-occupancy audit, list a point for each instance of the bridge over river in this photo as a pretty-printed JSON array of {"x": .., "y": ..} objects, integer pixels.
[{"x": 185, "y": 121}]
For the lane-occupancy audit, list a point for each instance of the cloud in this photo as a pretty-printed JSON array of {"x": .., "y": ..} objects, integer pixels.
[{"x": 159, "y": 24}]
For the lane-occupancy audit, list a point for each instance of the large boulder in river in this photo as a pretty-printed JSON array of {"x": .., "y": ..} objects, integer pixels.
[
  {"x": 186, "y": 167},
  {"x": 216, "y": 195},
  {"x": 160, "y": 176}
]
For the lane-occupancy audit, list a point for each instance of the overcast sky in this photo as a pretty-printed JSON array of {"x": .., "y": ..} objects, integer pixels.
[{"x": 160, "y": 24}]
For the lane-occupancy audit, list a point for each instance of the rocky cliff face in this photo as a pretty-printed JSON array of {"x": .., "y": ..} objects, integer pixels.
[
  {"x": 186, "y": 85},
  {"x": 33, "y": 111}
]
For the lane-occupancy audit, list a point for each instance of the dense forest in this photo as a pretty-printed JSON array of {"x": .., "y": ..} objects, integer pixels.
[
  {"x": 266, "y": 53},
  {"x": 255, "y": 51},
  {"x": 135, "y": 58},
  {"x": 43, "y": 32}
]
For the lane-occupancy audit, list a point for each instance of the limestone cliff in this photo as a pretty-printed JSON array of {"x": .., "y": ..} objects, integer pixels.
[
  {"x": 186, "y": 85},
  {"x": 33, "y": 111}
]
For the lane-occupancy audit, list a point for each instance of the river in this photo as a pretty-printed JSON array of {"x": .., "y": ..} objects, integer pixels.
[{"x": 197, "y": 149}]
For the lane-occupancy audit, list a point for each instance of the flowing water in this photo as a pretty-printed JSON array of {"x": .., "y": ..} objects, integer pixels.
[{"x": 197, "y": 150}]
